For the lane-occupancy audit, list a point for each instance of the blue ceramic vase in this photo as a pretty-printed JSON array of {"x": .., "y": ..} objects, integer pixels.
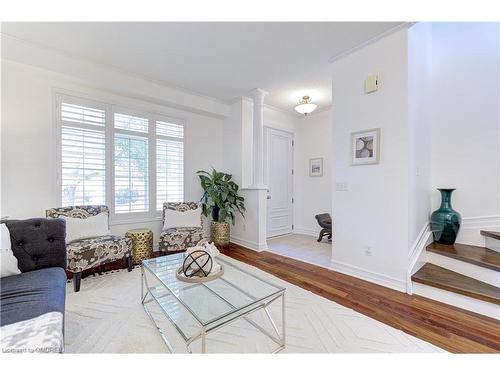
[{"x": 445, "y": 221}]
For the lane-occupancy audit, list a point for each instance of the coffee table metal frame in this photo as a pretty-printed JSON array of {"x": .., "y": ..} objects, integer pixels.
[{"x": 206, "y": 327}]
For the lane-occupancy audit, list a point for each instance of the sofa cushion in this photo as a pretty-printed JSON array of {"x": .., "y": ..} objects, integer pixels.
[
  {"x": 93, "y": 226},
  {"x": 43, "y": 334},
  {"x": 38, "y": 243},
  {"x": 182, "y": 219},
  {"x": 92, "y": 252},
  {"x": 174, "y": 239},
  {"x": 8, "y": 262},
  {"x": 31, "y": 294}
]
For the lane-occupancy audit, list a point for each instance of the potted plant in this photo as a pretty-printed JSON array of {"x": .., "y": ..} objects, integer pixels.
[{"x": 221, "y": 200}]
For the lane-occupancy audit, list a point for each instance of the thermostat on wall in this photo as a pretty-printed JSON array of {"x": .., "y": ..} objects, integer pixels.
[{"x": 371, "y": 84}]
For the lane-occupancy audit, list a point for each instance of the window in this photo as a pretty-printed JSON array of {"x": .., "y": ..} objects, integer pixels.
[
  {"x": 82, "y": 155},
  {"x": 169, "y": 163},
  {"x": 132, "y": 163}
]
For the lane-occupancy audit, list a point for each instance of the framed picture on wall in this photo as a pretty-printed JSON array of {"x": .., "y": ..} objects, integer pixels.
[
  {"x": 365, "y": 147},
  {"x": 316, "y": 167}
]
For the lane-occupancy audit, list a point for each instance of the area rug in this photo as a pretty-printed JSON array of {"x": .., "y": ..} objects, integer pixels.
[{"x": 106, "y": 316}]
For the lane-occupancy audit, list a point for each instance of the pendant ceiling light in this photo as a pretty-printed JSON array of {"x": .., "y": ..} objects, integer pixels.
[{"x": 305, "y": 106}]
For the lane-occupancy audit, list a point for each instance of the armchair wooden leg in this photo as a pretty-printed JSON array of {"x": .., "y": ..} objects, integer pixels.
[
  {"x": 77, "y": 278},
  {"x": 130, "y": 265}
]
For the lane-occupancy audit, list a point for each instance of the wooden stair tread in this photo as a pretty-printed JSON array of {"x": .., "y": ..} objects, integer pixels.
[
  {"x": 491, "y": 234},
  {"x": 443, "y": 278},
  {"x": 480, "y": 256}
]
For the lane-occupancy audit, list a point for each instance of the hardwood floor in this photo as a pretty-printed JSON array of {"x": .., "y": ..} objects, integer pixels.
[{"x": 451, "y": 328}]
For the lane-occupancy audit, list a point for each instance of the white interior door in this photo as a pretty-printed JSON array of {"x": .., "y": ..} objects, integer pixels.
[{"x": 278, "y": 155}]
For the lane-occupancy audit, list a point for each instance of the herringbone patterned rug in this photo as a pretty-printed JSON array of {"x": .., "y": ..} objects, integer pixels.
[{"x": 106, "y": 316}]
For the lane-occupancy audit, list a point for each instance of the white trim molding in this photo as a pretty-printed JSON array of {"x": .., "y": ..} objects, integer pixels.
[
  {"x": 471, "y": 226},
  {"x": 423, "y": 239},
  {"x": 124, "y": 82},
  {"x": 306, "y": 232},
  {"x": 251, "y": 245},
  {"x": 370, "y": 276},
  {"x": 382, "y": 35}
]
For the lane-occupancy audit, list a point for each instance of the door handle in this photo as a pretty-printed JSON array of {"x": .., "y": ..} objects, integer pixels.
[{"x": 268, "y": 196}]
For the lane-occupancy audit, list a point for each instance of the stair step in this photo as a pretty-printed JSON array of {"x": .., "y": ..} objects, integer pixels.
[
  {"x": 491, "y": 234},
  {"x": 442, "y": 278},
  {"x": 480, "y": 256}
]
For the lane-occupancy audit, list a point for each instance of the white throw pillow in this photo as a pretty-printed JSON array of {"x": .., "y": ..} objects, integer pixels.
[
  {"x": 186, "y": 219},
  {"x": 93, "y": 226},
  {"x": 8, "y": 262}
]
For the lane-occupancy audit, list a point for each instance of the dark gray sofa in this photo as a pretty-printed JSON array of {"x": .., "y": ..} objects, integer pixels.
[{"x": 40, "y": 248}]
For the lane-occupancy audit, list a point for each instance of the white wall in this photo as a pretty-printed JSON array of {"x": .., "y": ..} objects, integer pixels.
[
  {"x": 419, "y": 125},
  {"x": 465, "y": 122},
  {"x": 373, "y": 213},
  {"x": 313, "y": 195},
  {"x": 29, "y": 168},
  {"x": 438, "y": 110}
]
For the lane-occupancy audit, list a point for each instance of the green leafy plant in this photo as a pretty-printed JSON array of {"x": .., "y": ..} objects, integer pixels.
[{"x": 220, "y": 199}]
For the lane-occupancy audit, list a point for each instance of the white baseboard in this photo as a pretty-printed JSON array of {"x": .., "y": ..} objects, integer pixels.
[
  {"x": 367, "y": 275},
  {"x": 249, "y": 244},
  {"x": 307, "y": 232},
  {"x": 483, "y": 274},
  {"x": 458, "y": 300}
]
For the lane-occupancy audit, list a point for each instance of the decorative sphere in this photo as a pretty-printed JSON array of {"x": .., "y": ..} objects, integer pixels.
[{"x": 198, "y": 263}]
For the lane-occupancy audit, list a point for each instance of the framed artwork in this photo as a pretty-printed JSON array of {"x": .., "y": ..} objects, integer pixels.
[
  {"x": 365, "y": 147},
  {"x": 316, "y": 167}
]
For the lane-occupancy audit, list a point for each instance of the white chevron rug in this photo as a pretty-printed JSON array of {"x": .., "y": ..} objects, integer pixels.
[{"x": 106, "y": 316}]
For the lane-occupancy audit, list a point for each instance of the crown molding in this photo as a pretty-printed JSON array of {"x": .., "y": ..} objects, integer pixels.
[
  {"x": 401, "y": 26},
  {"x": 112, "y": 68}
]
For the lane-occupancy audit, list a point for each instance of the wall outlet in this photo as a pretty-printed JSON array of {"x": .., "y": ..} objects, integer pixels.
[
  {"x": 368, "y": 251},
  {"x": 341, "y": 186}
]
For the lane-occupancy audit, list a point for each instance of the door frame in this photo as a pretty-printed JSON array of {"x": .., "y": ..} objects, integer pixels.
[{"x": 268, "y": 128}]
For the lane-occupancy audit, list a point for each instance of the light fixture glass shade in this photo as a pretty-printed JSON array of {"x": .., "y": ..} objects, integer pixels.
[{"x": 305, "y": 108}]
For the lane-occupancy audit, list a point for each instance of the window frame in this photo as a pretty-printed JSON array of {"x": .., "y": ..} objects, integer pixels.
[{"x": 110, "y": 108}]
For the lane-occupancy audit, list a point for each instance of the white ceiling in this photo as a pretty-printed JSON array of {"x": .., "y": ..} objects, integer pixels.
[{"x": 220, "y": 60}]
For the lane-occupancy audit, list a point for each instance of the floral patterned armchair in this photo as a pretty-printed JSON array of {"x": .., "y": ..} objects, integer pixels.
[
  {"x": 91, "y": 252},
  {"x": 176, "y": 239}
]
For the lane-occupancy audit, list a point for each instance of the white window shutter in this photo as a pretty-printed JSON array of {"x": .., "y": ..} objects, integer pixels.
[
  {"x": 169, "y": 163},
  {"x": 131, "y": 165},
  {"x": 82, "y": 155}
]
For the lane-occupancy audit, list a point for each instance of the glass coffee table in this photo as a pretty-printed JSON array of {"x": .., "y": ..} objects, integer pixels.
[{"x": 197, "y": 309}]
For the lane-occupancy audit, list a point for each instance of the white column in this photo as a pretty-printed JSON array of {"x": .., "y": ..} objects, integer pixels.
[{"x": 258, "y": 137}]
